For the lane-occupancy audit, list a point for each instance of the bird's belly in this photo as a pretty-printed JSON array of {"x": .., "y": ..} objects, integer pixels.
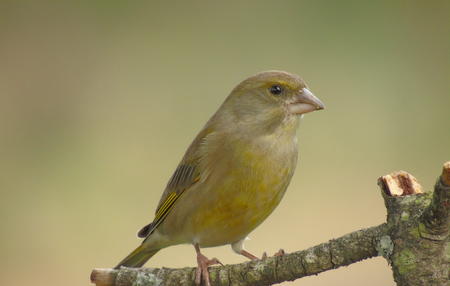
[
  {"x": 227, "y": 217},
  {"x": 230, "y": 221}
]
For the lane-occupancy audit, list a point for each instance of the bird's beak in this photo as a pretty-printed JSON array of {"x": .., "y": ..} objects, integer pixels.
[{"x": 304, "y": 102}]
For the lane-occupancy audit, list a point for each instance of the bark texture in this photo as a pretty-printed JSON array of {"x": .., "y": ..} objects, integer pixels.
[
  {"x": 418, "y": 228},
  {"x": 414, "y": 240}
]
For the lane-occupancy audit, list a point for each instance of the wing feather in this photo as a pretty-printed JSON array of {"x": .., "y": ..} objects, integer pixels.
[{"x": 187, "y": 173}]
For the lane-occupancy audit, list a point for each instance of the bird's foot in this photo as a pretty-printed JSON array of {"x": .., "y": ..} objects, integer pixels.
[
  {"x": 201, "y": 273},
  {"x": 278, "y": 253}
]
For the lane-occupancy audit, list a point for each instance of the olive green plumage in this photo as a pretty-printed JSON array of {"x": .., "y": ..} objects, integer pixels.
[{"x": 236, "y": 170}]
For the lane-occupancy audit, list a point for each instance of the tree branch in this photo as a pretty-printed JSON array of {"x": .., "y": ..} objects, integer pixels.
[
  {"x": 338, "y": 252},
  {"x": 419, "y": 229},
  {"x": 414, "y": 240}
]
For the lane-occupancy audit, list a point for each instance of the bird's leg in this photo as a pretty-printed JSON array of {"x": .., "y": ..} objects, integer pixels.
[
  {"x": 264, "y": 255},
  {"x": 238, "y": 247},
  {"x": 202, "y": 267},
  {"x": 248, "y": 255}
]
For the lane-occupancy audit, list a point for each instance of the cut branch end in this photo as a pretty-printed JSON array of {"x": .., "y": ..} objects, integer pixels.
[
  {"x": 103, "y": 276},
  {"x": 399, "y": 184}
]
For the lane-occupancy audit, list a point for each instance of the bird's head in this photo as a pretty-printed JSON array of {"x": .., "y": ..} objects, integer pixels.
[{"x": 269, "y": 99}]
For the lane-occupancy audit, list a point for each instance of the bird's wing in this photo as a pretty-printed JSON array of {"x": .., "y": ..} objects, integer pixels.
[{"x": 187, "y": 174}]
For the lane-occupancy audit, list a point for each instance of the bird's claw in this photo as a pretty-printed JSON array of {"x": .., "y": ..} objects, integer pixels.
[
  {"x": 202, "y": 269},
  {"x": 280, "y": 252}
]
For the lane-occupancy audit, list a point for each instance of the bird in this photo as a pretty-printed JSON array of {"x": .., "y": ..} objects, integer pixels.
[{"x": 234, "y": 173}]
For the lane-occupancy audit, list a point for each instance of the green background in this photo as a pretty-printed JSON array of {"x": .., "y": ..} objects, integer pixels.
[{"x": 100, "y": 99}]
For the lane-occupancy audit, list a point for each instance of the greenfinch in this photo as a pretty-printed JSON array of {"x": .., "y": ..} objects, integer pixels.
[{"x": 234, "y": 173}]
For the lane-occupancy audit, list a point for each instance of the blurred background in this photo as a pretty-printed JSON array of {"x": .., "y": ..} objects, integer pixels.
[{"x": 100, "y": 99}]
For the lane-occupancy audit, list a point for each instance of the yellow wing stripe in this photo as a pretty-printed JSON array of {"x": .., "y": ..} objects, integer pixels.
[{"x": 165, "y": 206}]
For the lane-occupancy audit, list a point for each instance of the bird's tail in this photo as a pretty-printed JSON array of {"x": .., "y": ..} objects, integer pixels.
[{"x": 138, "y": 257}]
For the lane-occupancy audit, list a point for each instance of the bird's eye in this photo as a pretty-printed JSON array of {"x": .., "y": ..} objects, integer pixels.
[{"x": 275, "y": 89}]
